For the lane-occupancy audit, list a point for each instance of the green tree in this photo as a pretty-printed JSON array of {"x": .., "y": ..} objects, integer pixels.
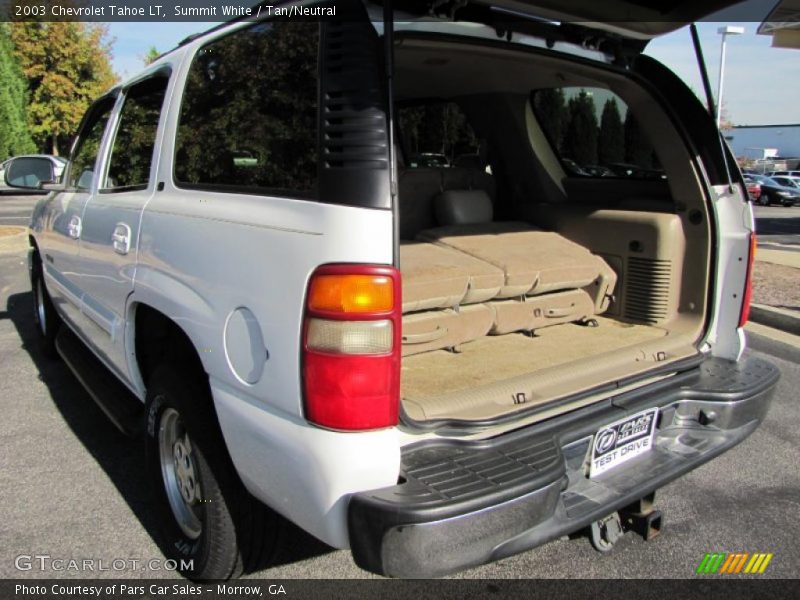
[
  {"x": 440, "y": 128},
  {"x": 611, "y": 140},
  {"x": 580, "y": 139},
  {"x": 638, "y": 149},
  {"x": 551, "y": 111},
  {"x": 151, "y": 56},
  {"x": 14, "y": 135},
  {"x": 67, "y": 65}
]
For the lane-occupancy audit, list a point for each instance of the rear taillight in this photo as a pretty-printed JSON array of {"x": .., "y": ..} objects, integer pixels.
[
  {"x": 748, "y": 283},
  {"x": 351, "y": 347}
]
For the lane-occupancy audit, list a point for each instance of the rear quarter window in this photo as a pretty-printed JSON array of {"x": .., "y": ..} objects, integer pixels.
[
  {"x": 248, "y": 120},
  {"x": 595, "y": 134}
]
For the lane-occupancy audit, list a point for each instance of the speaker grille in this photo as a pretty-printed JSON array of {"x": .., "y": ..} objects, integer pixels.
[{"x": 647, "y": 289}]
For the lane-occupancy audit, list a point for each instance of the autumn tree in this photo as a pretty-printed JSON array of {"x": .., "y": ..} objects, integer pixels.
[
  {"x": 14, "y": 135},
  {"x": 611, "y": 140},
  {"x": 580, "y": 139},
  {"x": 67, "y": 65}
]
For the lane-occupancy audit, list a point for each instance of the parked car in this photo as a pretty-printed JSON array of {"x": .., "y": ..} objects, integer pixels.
[
  {"x": 753, "y": 187},
  {"x": 326, "y": 335},
  {"x": 773, "y": 192},
  {"x": 787, "y": 181},
  {"x": 785, "y": 173},
  {"x": 48, "y": 168}
]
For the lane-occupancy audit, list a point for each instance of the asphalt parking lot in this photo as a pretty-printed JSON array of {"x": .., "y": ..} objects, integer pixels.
[{"x": 71, "y": 486}]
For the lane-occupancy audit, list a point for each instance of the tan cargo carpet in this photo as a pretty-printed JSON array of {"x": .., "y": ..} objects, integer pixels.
[{"x": 496, "y": 358}]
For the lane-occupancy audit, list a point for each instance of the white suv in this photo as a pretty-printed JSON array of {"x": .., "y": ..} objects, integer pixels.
[{"x": 435, "y": 366}]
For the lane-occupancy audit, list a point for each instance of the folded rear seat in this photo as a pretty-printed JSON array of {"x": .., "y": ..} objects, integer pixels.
[
  {"x": 439, "y": 277},
  {"x": 449, "y": 287},
  {"x": 534, "y": 263}
]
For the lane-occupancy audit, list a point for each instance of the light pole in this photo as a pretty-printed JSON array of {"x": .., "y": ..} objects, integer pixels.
[{"x": 724, "y": 32}]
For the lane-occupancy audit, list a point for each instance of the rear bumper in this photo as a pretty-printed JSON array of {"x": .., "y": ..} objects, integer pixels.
[{"x": 468, "y": 503}]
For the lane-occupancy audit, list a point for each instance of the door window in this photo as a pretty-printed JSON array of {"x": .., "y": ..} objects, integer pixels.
[
  {"x": 131, "y": 158},
  {"x": 84, "y": 154}
]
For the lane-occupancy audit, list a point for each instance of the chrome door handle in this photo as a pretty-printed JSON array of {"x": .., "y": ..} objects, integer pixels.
[
  {"x": 121, "y": 238},
  {"x": 74, "y": 227}
]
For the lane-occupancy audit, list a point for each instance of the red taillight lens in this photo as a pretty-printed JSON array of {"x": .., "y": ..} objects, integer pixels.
[
  {"x": 351, "y": 347},
  {"x": 352, "y": 392},
  {"x": 748, "y": 283}
]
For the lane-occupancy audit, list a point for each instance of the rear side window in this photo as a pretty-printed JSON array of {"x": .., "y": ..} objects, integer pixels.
[
  {"x": 436, "y": 134},
  {"x": 248, "y": 120},
  {"x": 84, "y": 155},
  {"x": 594, "y": 134},
  {"x": 132, "y": 152}
]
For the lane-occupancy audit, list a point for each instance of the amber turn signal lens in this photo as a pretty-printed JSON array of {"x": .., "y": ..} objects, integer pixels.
[{"x": 351, "y": 294}]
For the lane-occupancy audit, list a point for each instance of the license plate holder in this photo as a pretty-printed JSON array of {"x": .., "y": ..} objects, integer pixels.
[{"x": 620, "y": 441}]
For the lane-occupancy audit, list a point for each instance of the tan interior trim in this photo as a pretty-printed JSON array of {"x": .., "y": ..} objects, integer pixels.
[{"x": 546, "y": 155}]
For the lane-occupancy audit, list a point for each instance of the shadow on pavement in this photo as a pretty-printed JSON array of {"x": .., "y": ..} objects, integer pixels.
[
  {"x": 122, "y": 458},
  {"x": 778, "y": 226}
]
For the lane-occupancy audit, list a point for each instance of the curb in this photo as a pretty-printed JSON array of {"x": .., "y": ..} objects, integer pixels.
[
  {"x": 14, "y": 243},
  {"x": 777, "y": 318}
]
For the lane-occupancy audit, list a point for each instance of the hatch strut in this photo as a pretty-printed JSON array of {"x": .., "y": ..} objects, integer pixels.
[
  {"x": 712, "y": 108},
  {"x": 701, "y": 63}
]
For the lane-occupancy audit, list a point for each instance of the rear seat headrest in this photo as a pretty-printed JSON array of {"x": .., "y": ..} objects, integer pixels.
[{"x": 463, "y": 207}]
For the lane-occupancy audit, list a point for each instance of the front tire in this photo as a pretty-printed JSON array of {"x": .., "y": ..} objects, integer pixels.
[
  {"x": 44, "y": 313},
  {"x": 209, "y": 523}
]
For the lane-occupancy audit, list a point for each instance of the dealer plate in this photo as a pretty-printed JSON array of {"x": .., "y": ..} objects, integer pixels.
[{"x": 623, "y": 440}]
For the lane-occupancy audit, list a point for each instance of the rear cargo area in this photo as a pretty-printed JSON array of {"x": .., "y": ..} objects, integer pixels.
[
  {"x": 443, "y": 383},
  {"x": 529, "y": 281}
]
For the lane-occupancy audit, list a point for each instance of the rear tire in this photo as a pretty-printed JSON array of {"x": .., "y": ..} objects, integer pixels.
[
  {"x": 44, "y": 313},
  {"x": 209, "y": 523},
  {"x": 763, "y": 200}
]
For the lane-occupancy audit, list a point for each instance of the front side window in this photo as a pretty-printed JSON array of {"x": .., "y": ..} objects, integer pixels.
[
  {"x": 132, "y": 153},
  {"x": 84, "y": 156},
  {"x": 248, "y": 118},
  {"x": 594, "y": 134}
]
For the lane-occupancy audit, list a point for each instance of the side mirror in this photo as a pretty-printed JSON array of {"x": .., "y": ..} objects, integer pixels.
[{"x": 29, "y": 172}]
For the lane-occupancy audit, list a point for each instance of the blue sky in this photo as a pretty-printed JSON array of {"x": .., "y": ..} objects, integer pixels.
[{"x": 762, "y": 84}]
